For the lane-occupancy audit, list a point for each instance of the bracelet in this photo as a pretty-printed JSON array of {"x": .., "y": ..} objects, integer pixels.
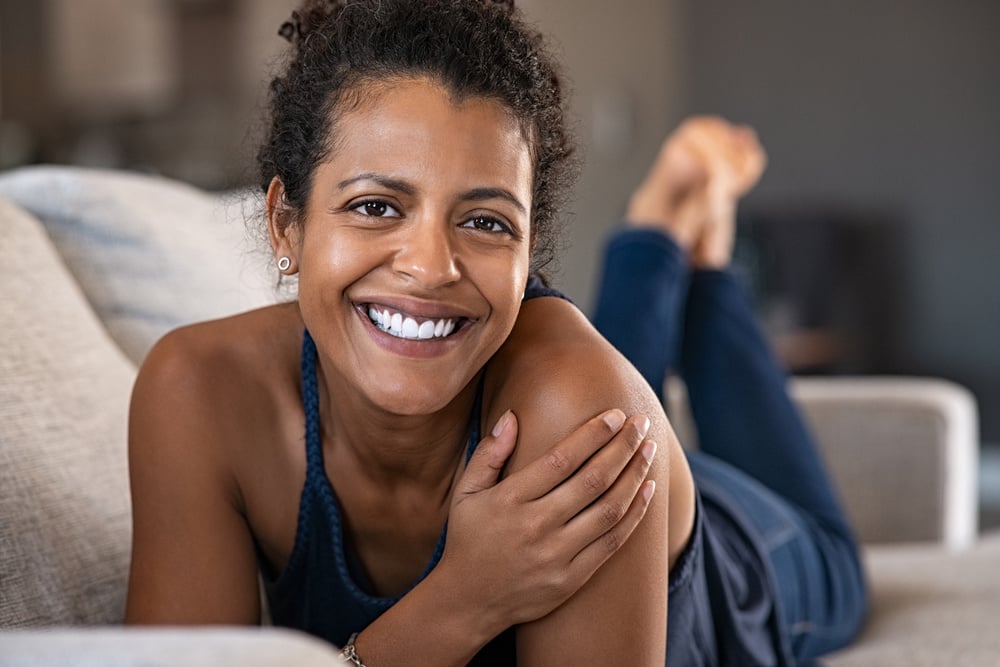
[{"x": 348, "y": 655}]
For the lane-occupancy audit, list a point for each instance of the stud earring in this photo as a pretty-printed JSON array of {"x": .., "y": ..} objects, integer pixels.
[{"x": 284, "y": 264}]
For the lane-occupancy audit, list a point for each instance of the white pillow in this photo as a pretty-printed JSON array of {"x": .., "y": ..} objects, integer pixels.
[
  {"x": 65, "y": 518},
  {"x": 150, "y": 253}
]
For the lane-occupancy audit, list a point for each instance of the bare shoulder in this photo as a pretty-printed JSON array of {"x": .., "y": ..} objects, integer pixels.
[
  {"x": 204, "y": 404},
  {"x": 202, "y": 385},
  {"x": 198, "y": 364},
  {"x": 241, "y": 343},
  {"x": 556, "y": 372}
]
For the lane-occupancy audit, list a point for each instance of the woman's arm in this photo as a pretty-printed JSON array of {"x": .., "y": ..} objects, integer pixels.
[
  {"x": 555, "y": 372},
  {"x": 192, "y": 554},
  {"x": 532, "y": 557}
]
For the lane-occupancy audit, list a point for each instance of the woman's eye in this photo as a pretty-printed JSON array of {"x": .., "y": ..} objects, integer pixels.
[
  {"x": 486, "y": 223},
  {"x": 376, "y": 209}
]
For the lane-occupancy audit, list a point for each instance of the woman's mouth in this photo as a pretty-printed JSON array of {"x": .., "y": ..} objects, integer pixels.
[{"x": 409, "y": 327}]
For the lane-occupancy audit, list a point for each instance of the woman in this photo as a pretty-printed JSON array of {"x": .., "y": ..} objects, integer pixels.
[{"x": 412, "y": 174}]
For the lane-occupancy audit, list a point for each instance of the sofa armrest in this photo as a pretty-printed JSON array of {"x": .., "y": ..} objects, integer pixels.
[
  {"x": 166, "y": 647},
  {"x": 903, "y": 452}
]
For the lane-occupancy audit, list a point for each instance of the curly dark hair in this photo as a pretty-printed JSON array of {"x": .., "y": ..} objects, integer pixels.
[{"x": 475, "y": 48}]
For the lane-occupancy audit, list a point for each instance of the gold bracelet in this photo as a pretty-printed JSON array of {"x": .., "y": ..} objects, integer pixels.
[{"x": 348, "y": 655}]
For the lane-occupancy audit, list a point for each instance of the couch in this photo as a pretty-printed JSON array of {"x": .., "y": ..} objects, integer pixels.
[{"x": 96, "y": 265}]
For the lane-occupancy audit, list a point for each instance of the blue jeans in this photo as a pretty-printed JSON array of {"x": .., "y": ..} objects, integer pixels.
[{"x": 754, "y": 445}]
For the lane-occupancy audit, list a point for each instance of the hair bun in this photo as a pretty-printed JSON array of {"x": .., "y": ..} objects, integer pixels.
[{"x": 305, "y": 19}]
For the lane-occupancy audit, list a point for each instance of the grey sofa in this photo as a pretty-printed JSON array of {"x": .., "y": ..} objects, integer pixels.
[{"x": 96, "y": 265}]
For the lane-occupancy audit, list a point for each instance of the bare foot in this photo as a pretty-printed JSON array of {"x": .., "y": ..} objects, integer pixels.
[
  {"x": 690, "y": 192},
  {"x": 659, "y": 201},
  {"x": 730, "y": 154},
  {"x": 734, "y": 162},
  {"x": 716, "y": 206}
]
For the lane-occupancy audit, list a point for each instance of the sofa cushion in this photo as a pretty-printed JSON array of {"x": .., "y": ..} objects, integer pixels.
[
  {"x": 149, "y": 253},
  {"x": 64, "y": 389},
  {"x": 164, "y": 647},
  {"x": 931, "y": 606}
]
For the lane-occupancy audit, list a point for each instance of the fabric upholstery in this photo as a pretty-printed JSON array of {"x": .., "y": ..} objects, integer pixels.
[
  {"x": 904, "y": 452},
  {"x": 150, "y": 253},
  {"x": 64, "y": 389},
  {"x": 930, "y": 607},
  {"x": 170, "y": 647}
]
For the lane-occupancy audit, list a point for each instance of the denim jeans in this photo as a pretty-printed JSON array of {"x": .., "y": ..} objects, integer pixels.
[{"x": 754, "y": 447}]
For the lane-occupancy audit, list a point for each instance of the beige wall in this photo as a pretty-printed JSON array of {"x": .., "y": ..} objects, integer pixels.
[
  {"x": 196, "y": 79},
  {"x": 624, "y": 63}
]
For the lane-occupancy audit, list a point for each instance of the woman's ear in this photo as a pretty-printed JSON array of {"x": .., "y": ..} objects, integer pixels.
[{"x": 281, "y": 232}]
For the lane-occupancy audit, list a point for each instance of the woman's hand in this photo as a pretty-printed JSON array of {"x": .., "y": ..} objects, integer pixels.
[{"x": 520, "y": 547}]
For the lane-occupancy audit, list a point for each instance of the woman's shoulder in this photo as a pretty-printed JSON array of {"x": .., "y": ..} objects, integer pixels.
[
  {"x": 200, "y": 381},
  {"x": 556, "y": 371},
  {"x": 553, "y": 343},
  {"x": 239, "y": 346}
]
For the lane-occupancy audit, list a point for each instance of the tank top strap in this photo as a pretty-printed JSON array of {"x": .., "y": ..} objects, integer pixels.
[{"x": 310, "y": 404}]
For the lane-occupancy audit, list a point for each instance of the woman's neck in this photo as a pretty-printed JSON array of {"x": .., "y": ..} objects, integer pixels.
[{"x": 391, "y": 450}]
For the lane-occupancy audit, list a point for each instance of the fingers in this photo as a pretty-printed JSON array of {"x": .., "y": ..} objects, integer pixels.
[
  {"x": 600, "y": 473},
  {"x": 603, "y": 526},
  {"x": 490, "y": 456},
  {"x": 588, "y": 560},
  {"x": 543, "y": 475}
]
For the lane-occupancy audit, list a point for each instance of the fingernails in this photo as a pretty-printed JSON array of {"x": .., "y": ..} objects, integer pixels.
[
  {"x": 614, "y": 419},
  {"x": 501, "y": 424},
  {"x": 643, "y": 426},
  {"x": 648, "y": 450},
  {"x": 648, "y": 489}
]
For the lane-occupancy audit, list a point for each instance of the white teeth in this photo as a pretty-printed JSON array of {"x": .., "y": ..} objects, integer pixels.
[
  {"x": 406, "y": 327},
  {"x": 410, "y": 328}
]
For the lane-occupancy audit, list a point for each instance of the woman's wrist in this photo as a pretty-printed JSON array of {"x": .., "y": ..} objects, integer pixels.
[
  {"x": 430, "y": 625},
  {"x": 461, "y": 612}
]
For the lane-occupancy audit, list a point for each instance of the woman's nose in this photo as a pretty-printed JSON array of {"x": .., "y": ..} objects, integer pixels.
[{"x": 427, "y": 256}]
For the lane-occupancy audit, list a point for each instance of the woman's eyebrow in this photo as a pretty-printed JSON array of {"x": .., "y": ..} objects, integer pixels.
[
  {"x": 384, "y": 181},
  {"x": 482, "y": 194}
]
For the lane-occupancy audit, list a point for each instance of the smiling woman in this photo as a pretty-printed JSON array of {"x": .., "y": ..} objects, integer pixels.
[
  {"x": 418, "y": 215},
  {"x": 428, "y": 457},
  {"x": 355, "y": 446},
  {"x": 408, "y": 218}
]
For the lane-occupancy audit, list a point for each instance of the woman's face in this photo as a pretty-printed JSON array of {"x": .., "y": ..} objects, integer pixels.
[{"x": 413, "y": 254}]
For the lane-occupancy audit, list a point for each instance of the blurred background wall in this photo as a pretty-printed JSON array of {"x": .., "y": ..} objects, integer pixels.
[{"x": 872, "y": 244}]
